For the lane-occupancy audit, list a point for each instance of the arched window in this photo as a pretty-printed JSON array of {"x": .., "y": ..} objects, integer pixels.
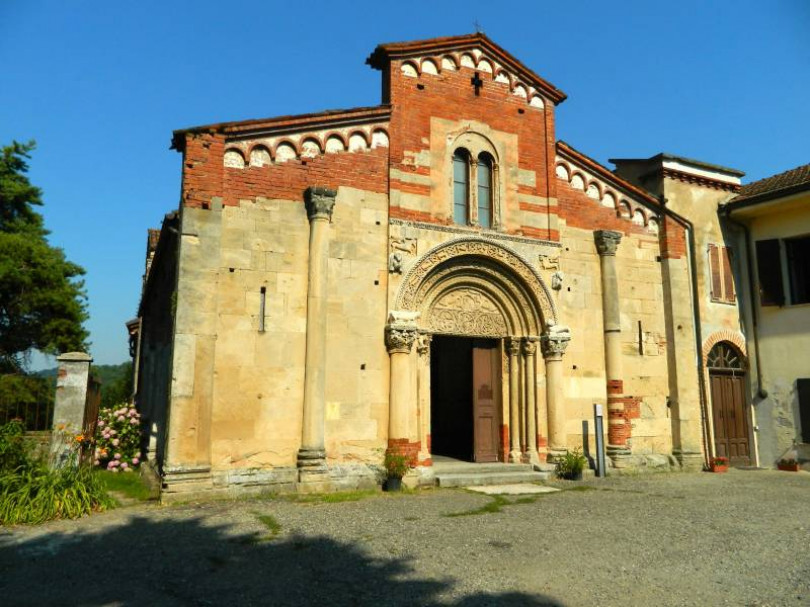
[
  {"x": 461, "y": 186},
  {"x": 485, "y": 191},
  {"x": 725, "y": 357}
]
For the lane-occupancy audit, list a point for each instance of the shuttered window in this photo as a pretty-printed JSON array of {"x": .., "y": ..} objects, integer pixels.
[
  {"x": 798, "y": 264},
  {"x": 461, "y": 186},
  {"x": 722, "y": 279},
  {"x": 769, "y": 271},
  {"x": 485, "y": 191}
]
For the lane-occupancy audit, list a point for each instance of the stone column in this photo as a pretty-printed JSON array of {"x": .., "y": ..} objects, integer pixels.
[
  {"x": 400, "y": 334},
  {"x": 423, "y": 396},
  {"x": 553, "y": 342},
  {"x": 312, "y": 454},
  {"x": 513, "y": 347},
  {"x": 607, "y": 242},
  {"x": 530, "y": 376},
  {"x": 73, "y": 373}
]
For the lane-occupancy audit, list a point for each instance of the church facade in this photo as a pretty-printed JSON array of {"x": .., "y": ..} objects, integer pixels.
[{"x": 437, "y": 275}]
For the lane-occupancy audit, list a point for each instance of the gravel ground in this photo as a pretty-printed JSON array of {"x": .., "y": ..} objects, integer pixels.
[{"x": 661, "y": 539}]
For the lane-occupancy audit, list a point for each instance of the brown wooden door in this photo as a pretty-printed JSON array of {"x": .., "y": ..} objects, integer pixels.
[
  {"x": 730, "y": 418},
  {"x": 485, "y": 405}
]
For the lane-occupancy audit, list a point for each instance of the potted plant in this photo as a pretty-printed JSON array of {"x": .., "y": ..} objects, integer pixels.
[
  {"x": 789, "y": 465},
  {"x": 570, "y": 465},
  {"x": 718, "y": 464},
  {"x": 396, "y": 466}
]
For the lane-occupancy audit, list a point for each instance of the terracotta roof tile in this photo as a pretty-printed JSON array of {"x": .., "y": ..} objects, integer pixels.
[{"x": 789, "y": 180}]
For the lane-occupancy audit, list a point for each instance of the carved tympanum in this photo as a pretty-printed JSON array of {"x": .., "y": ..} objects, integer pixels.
[{"x": 466, "y": 312}]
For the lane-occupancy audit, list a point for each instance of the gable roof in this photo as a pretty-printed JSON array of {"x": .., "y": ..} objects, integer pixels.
[
  {"x": 384, "y": 53},
  {"x": 775, "y": 186}
]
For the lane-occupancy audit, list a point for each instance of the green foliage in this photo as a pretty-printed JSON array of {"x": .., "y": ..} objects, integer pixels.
[
  {"x": 37, "y": 494},
  {"x": 13, "y": 450},
  {"x": 30, "y": 492},
  {"x": 27, "y": 397},
  {"x": 42, "y": 298},
  {"x": 118, "y": 439},
  {"x": 116, "y": 383},
  {"x": 571, "y": 464},
  {"x": 396, "y": 464}
]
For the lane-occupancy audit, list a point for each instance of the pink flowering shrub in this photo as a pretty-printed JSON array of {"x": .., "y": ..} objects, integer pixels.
[{"x": 118, "y": 439}]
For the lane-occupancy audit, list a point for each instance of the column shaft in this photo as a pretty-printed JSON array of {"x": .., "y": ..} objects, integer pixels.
[
  {"x": 513, "y": 345},
  {"x": 554, "y": 342},
  {"x": 312, "y": 454},
  {"x": 529, "y": 349},
  {"x": 400, "y": 334}
]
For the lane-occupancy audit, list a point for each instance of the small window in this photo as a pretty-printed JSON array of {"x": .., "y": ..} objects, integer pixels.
[
  {"x": 722, "y": 279},
  {"x": 461, "y": 186},
  {"x": 485, "y": 191},
  {"x": 797, "y": 251},
  {"x": 769, "y": 271}
]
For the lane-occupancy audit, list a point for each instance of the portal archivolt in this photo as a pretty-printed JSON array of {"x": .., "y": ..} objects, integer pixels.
[{"x": 476, "y": 287}]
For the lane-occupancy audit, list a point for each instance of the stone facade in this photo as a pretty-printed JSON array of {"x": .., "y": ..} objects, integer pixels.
[{"x": 316, "y": 266}]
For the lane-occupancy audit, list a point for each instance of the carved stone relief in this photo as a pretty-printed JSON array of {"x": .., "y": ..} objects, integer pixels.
[
  {"x": 466, "y": 312},
  {"x": 400, "y": 248}
]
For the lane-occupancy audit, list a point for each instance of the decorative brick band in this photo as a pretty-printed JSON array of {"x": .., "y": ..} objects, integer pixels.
[
  {"x": 733, "y": 337},
  {"x": 615, "y": 386}
]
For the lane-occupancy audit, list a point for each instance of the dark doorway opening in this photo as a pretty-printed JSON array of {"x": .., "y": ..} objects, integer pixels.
[{"x": 463, "y": 398}]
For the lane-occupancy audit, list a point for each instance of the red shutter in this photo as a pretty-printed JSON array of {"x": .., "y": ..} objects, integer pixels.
[
  {"x": 728, "y": 278},
  {"x": 714, "y": 268}
]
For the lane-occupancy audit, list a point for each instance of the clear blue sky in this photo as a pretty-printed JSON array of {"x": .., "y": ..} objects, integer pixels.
[{"x": 101, "y": 85}]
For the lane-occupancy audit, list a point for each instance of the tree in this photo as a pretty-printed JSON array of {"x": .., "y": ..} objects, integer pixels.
[{"x": 43, "y": 304}]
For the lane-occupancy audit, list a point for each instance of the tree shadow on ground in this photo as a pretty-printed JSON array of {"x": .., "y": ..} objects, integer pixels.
[{"x": 160, "y": 562}]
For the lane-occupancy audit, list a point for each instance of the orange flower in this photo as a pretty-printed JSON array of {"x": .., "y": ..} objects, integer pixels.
[{"x": 79, "y": 438}]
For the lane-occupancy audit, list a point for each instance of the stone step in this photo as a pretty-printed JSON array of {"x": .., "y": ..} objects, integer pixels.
[
  {"x": 470, "y": 468},
  {"x": 471, "y": 479}
]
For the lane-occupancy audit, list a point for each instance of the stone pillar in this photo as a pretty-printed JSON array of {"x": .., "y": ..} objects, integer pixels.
[
  {"x": 73, "y": 373},
  {"x": 312, "y": 455},
  {"x": 553, "y": 342},
  {"x": 530, "y": 377},
  {"x": 513, "y": 347},
  {"x": 400, "y": 334},
  {"x": 618, "y": 425},
  {"x": 423, "y": 396}
]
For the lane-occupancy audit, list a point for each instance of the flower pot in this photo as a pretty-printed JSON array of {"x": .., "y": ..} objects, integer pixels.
[
  {"x": 573, "y": 476},
  {"x": 392, "y": 484},
  {"x": 718, "y": 469},
  {"x": 788, "y": 467}
]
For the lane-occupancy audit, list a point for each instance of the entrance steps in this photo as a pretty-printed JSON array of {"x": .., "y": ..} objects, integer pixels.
[{"x": 454, "y": 473}]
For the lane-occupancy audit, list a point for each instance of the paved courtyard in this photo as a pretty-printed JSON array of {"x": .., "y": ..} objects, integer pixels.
[{"x": 665, "y": 539}]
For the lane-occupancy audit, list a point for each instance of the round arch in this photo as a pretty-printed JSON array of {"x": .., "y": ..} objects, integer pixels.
[{"x": 477, "y": 287}]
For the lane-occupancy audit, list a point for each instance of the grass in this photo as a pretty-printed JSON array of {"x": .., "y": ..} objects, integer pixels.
[
  {"x": 327, "y": 498},
  {"x": 129, "y": 485},
  {"x": 495, "y": 505}
]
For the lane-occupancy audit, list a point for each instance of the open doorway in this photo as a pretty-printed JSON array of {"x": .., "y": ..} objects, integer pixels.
[{"x": 464, "y": 398}]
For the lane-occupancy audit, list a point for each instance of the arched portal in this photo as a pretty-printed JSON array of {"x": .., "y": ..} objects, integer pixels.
[
  {"x": 731, "y": 427},
  {"x": 478, "y": 310}
]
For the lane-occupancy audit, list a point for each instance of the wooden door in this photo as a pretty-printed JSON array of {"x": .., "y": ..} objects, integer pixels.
[
  {"x": 485, "y": 404},
  {"x": 730, "y": 418}
]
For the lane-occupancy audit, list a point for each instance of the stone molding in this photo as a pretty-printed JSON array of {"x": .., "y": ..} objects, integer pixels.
[
  {"x": 513, "y": 346},
  {"x": 607, "y": 241},
  {"x": 466, "y": 231},
  {"x": 319, "y": 202},
  {"x": 529, "y": 346},
  {"x": 423, "y": 344}
]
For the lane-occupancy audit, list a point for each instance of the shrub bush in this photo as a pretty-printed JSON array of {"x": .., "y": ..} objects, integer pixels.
[
  {"x": 118, "y": 439},
  {"x": 13, "y": 450}
]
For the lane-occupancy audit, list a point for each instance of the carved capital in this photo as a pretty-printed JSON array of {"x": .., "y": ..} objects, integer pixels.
[
  {"x": 607, "y": 241},
  {"x": 529, "y": 346},
  {"x": 319, "y": 202},
  {"x": 555, "y": 341},
  {"x": 513, "y": 346},
  {"x": 423, "y": 344},
  {"x": 399, "y": 339},
  {"x": 401, "y": 331}
]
